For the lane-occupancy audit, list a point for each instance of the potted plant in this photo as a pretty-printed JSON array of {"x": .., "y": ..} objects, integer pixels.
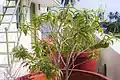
[
  {"x": 72, "y": 32},
  {"x": 36, "y": 62}
]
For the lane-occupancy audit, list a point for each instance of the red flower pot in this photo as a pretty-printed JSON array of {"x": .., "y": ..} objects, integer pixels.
[
  {"x": 35, "y": 76},
  {"x": 40, "y": 76},
  {"x": 85, "y": 62},
  {"x": 75, "y": 75},
  {"x": 84, "y": 75}
]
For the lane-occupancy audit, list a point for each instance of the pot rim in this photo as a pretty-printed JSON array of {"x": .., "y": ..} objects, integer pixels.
[{"x": 88, "y": 72}]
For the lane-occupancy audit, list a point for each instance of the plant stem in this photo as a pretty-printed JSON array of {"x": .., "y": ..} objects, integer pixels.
[
  {"x": 67, "y": 68},
  {"x": 59, "y": 44},
  {"x": 76, "y": 65},
  {"x": 35, "y": 39}
]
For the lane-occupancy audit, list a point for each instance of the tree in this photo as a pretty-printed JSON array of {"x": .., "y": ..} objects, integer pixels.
[{"x": 65, "y": 2}]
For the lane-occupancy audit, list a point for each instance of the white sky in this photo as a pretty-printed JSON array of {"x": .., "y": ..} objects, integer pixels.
[
  {"x": 108, "y": 5},
  {"x": 1, "y": 2}
]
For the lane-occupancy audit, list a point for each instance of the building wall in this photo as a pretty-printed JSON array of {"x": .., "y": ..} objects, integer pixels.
[
  {"x": 111, "y": 57},
  {"x": 112, "y": 60}
]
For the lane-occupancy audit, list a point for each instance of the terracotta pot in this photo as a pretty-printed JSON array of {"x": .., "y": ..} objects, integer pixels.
[
  {"x": 35, "y": 76},
  {"x": 84, "y": 75},
  {"x": 40, "y": 76}
]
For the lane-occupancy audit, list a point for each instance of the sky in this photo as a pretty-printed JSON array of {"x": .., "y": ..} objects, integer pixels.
[
  {"x": 108, "y": 5},
  {"x": 1, "y": 2}
]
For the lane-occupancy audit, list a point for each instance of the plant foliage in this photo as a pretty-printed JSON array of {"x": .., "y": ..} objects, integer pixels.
[{"x": 72, "y": 31}]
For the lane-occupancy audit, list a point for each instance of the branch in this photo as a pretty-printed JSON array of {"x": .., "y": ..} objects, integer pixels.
[
  {"x": 66, "y": 39},
  {"x": 63, "y": 61},
  {"x": 33, "y": 36},
  {"x": 77, "y": 65},
  {"x": 72, "y": 53},
  {"x": 77, "y": 56}
]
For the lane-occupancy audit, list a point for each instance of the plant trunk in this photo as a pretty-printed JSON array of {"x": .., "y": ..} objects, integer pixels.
[
  {"x": 58, "y": 60},
  {"x": 67, "y": 69}
]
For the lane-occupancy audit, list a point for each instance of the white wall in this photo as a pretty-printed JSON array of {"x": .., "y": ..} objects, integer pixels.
[
  {"x": 112, "y": 59},
  {"x": 1, "y": 2},
  {"x": 45, "y": 3}
]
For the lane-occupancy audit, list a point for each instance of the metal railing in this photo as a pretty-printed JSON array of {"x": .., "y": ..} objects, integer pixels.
[
  {"x": 7, "y": 41},
  {"x": 4, "y": 11}
]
